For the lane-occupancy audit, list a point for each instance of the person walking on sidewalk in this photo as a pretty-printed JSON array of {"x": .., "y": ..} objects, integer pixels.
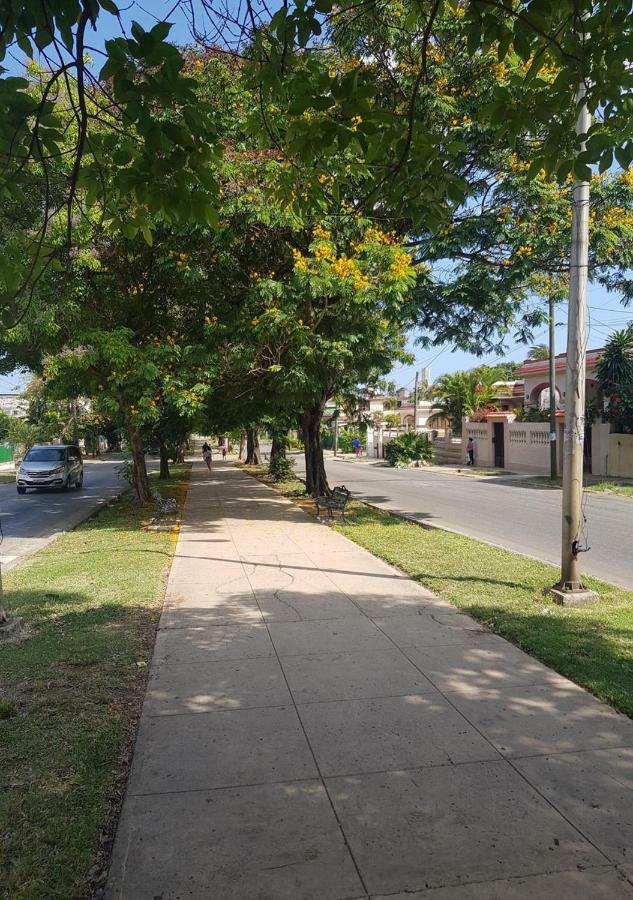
[
  {"x": 225, "y": 447},
  {"x": 470, "y": 450},
  {"x": 206, "y": 455},
  {"x": 358, "y": 447}
]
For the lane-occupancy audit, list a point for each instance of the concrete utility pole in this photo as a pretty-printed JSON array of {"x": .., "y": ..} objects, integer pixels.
[
  {"x": 570, "y": 591},
  {"x": 415, "y": 404},
  {"x": 336, "y": 433},
  {"x": 553, "y": 443}
]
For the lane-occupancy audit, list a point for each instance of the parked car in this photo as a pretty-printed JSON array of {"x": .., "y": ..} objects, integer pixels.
[{"x": 50, "y": 465}]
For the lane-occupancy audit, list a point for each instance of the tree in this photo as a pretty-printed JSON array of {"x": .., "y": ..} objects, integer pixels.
[
  {"x": 120, "y": 145},
  {"x": 615, "y": 376},
  {"x": 558, "y": 45},
  {"x": 539, "y": 351},
  {"x": 146, "y": 358},
  {"x": 337, "y": 319},
  {"x": 461, "y": 394},
  {"x": 510, "y": 247}
]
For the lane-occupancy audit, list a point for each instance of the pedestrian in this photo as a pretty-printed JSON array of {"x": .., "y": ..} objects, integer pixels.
[
  {"x": 358, "y": 447},
  {"x": 206, "y": 455},
  {"x": 224, "y": 448},
  {"x": 470, "y": 450}
]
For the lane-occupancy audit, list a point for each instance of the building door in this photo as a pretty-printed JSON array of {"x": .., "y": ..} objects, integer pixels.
[{"x": 498, "y": 440}]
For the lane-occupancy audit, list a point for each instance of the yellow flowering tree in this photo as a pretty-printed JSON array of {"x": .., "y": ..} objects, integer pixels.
[{"x": 337, "y": 318}]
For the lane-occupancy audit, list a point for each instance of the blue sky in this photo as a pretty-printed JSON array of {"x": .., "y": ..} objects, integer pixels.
[
  {"x": 606, "y": 315},
  {"x": 605, "y": 312}
]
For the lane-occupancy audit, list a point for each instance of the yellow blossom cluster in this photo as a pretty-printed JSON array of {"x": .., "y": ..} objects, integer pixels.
[
  {"x": 408, "y": 68},
  {"x": 627, "y": 178},
  {"x": 361, "y": 281},
  {"x": 615, "y": 217},
  {"x": 181, "y": 259},
  {"x": 344, "y": 267},
  {"x": 525, "y": 250},
  {"x": 301, "y": 264},
  {"x": 401, "y": 264},
  {"x": 356, "y": 120},
  {"x": 321, "y": 233},
  {"x": 374, "y": 235},
  {"x": 517, "y": 166},
  {"x": 324, "y": 251}
]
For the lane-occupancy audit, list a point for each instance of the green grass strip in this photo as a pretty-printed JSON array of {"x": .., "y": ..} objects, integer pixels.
[{"x": 71, "y": 694}]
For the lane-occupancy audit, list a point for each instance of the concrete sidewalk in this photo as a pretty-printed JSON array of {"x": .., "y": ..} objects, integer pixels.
[{"x": 318, "y": 727}]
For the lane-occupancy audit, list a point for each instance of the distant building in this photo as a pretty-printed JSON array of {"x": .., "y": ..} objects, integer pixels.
[{"x": 14, "y": 405}]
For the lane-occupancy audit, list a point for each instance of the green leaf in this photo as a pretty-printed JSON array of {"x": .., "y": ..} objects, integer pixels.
[
  {"x": 624, "y": 155},
  {"x": 161, "y": 30},
  {"x": 25, "y": 45},
  {"x": 138, "y": 32},
  {"x": 582, "y": 171},
  {"x": 606, "y": 161}
]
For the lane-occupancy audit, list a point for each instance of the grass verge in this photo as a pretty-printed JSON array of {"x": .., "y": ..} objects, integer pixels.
[
  {"x": 70, "y": 696},
  {"x": 592, "y": 646},
  {"x": 620, "y": 488}
]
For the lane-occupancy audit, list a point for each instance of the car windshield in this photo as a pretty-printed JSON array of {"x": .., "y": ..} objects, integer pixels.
[{"x": 45, "y": 454}]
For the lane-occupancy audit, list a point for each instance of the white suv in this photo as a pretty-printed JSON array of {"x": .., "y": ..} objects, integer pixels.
[{"x": 50, "y": 465}]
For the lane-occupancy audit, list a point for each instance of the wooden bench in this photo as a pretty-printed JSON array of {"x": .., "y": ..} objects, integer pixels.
[{"x": 336, "y": 502}]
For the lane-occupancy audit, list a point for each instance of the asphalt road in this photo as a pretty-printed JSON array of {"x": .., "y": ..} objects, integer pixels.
[
  {"x": 32, "y": 520},
  {"x": 502, "y": 512}
]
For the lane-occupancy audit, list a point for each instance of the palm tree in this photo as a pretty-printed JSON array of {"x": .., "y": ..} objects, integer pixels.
[
  {"x": 615, "y": 369},
  {"x": 539, "y": 351},
  {"x": 615, "y": 377},
  {"x": 461, "y": 394}
]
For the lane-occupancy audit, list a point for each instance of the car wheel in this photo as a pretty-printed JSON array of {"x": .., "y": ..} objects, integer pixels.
[
  {"x": 80, "y": 482},
  {"x": 21, "y": 489}
]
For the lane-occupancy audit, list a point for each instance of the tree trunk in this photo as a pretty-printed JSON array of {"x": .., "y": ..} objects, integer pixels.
[
  {"x": 316, "y": 478},
  {"x": 164, "y": 460},
  {"x": 253, "y": 453},
  {"x": 242, "y": 443},
  {"x": 278, "y": 448},
  {"x": 141, "y": 482}
]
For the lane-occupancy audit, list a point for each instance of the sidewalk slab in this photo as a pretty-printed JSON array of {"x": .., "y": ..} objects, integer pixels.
[{"x": 317, "y": 726}]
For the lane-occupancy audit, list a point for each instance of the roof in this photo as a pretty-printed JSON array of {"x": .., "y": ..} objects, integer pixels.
[{"x": 541, "y": 366}]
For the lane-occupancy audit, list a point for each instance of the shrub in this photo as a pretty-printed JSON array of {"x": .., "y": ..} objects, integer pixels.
[
  {"x": 408, "y": 448},
  {"x": 347, "y": 435},
  {"x": 532, "y": 414},
  {"x": 280, "y": 468}
]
